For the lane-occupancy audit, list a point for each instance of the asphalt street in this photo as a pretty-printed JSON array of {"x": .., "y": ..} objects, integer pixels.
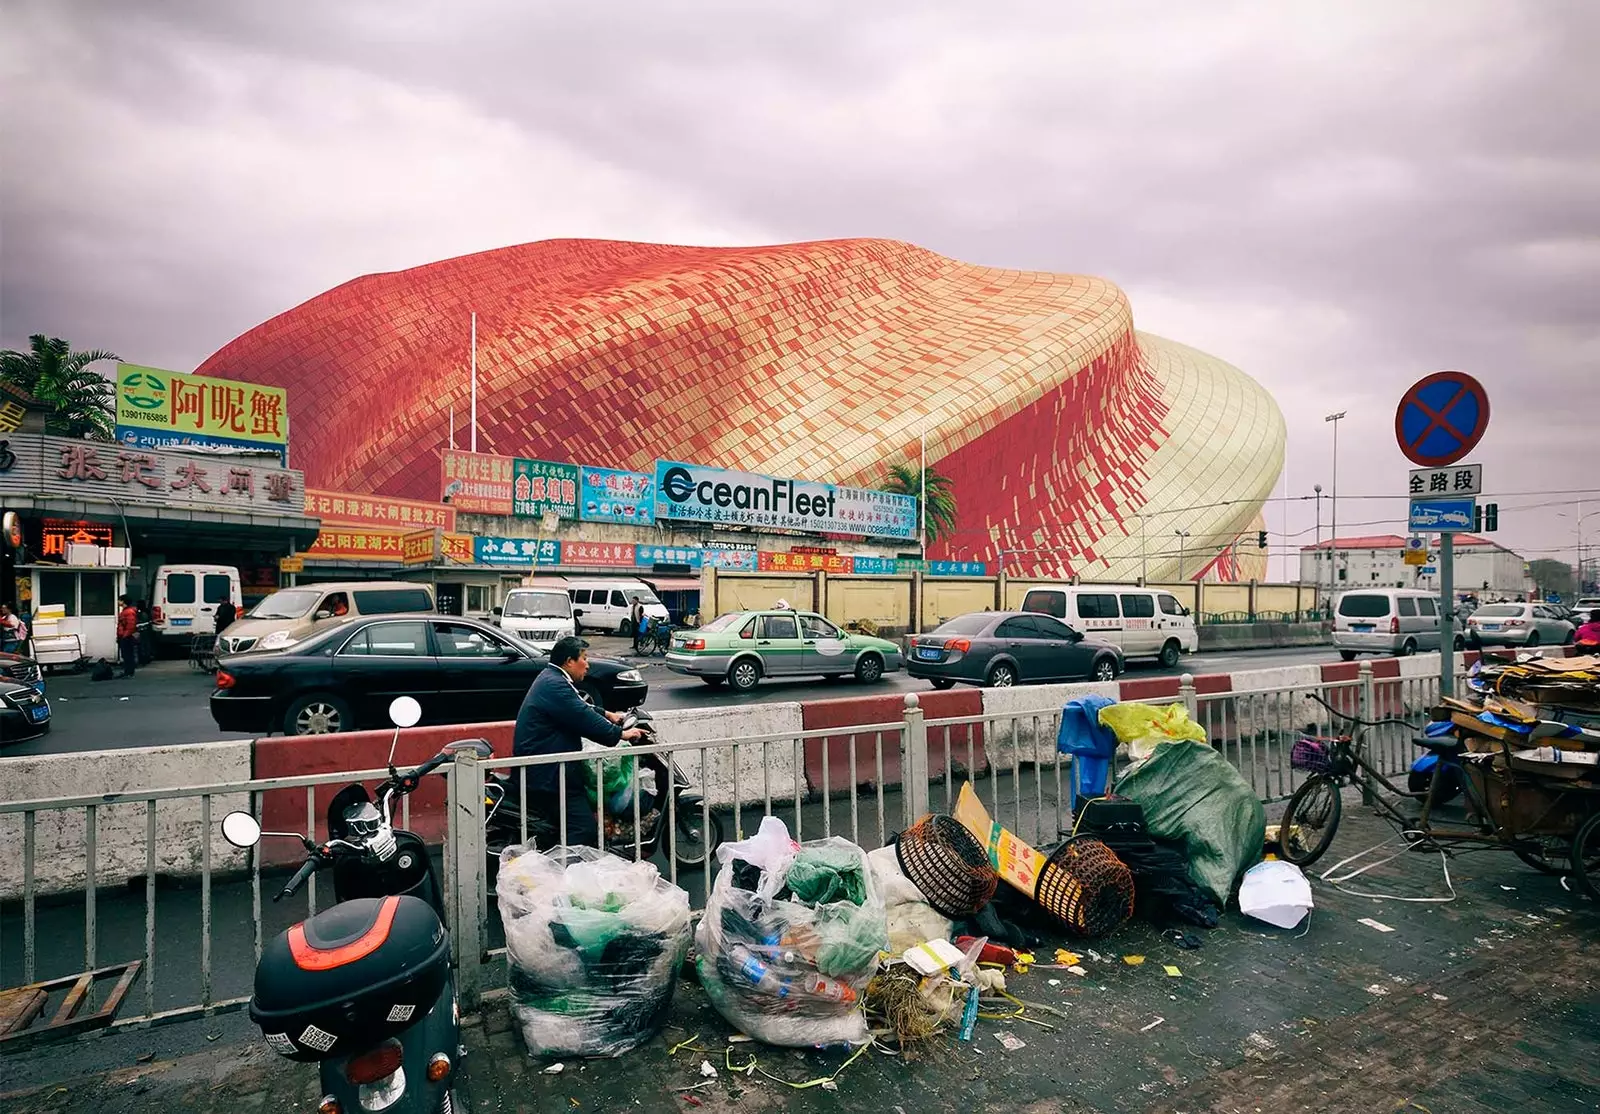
[{"x": 167, "y": 702}]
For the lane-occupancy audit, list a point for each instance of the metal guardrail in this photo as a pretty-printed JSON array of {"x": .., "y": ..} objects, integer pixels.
[{"x": 1020, "y": 775}]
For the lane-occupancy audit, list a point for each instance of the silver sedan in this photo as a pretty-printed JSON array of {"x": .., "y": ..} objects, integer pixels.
[{"x": 1518, "y": 624}]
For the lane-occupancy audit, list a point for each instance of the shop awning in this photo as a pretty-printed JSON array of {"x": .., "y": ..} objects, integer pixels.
[{"x": 672, "y": 583}]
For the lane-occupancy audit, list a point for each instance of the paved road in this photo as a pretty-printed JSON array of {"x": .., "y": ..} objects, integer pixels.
[{"x": 167, "y": 702}]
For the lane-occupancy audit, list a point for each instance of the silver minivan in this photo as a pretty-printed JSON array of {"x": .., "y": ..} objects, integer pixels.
[{"x": 1391, "y": 621}]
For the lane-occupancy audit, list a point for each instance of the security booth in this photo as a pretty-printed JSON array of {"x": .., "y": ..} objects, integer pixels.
[{"x": 99, "y": 519}]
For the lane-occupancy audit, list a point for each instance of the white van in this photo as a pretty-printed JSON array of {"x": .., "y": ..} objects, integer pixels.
[
  {"x": 537, "y": 615},
  {"x": 607, "y": 605},
  {"x": 1143, "y": 622},
  {"x": 184, "y": 599},
  {"x": 1387, "y": 621}
]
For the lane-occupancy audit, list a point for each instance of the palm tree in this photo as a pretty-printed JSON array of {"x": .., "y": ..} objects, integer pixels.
[
  {"x": 906, "y": 479},
  {"x": 81, "y": 399}
]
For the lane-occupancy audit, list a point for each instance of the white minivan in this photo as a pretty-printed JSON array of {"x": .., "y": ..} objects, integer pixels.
[
  {"x": 607, "y": 605},
  {"x": 1387, "y": 621},
  {"x": 184, "y": 599},
  {"x": 1143, "y": 622},
  {"x": 537, "y": 615}
]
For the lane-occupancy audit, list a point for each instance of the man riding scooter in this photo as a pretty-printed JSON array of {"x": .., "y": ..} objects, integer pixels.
[{"x": 555, "y": 719}]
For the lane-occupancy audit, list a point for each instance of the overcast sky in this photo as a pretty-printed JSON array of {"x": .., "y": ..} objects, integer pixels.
[{"x": 1338, "y": 198}]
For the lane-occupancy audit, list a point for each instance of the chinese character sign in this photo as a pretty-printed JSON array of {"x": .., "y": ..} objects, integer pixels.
[
  {"x": 875, "y": 566},
  {"x": 541, "y": 486},
  {"x": 379, "y": 510},
  {"x": 598, "y": 554},
  {"x": 1456, "y": 481},
  {"x": 517, "y": 551},
  {"x": 611, "y": 496},
  {"x": 477, "y": 483},
  {"x": 732, "y": 560},
  {"x": 958, "y": 568},
  {"x": 163, "y": 408},
  {"x": 768, "y": 561},
  {"x": 419, "y": 547},
  {"x": 648, "y": 556},
  {"x": 695, "y": 493},
  {"x": 168, "y": 478},
  {"x": 355, "y": 544},
  {"x": 457, "y": 548}
]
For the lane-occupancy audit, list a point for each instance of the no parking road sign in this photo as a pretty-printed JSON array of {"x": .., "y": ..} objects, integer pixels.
[{"x": 1441, "y": 419}]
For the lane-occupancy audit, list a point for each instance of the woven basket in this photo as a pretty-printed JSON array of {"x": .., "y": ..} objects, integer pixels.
[
  {"x": 1312, "y": 755},
  {"x": 948, "y": 864},
  {"x": 1086, "y": 887}
]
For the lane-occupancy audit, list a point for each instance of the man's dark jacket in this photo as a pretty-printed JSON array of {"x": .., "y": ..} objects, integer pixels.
[{"x": 554, "y": 719}]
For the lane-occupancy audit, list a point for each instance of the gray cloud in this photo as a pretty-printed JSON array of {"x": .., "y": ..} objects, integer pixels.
[{"x": 1338, "y": 198}]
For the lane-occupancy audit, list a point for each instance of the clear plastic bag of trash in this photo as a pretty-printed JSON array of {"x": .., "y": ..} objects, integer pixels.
[
  {"x": 1275, "y": 892},
  {"x": 593, "y": 944},
  {"x": 791, "y": 937}
]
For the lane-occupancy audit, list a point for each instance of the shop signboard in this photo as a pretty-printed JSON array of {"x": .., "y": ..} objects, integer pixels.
[
  {"x": 477, "y": 483},
  {"x": 611, "y": 555},
  {"x": 58, "y": 533},
  {"x": 544, "y": 487},
  {"x": 609, "y": 495},
  {"x": 420, "y": 547},
  {"x": 649, "y": 556},
  {"x": 67, "y": 467},
  {"x": 295, "y": 564},
  {"x": 836, "y": 563},
  {"x": 958, "y": 568},
  {"x": 159, "y": 409},
  {"x": 696, "y": 493},
  {"x": 732, "y": 560},
  {"x": 457, "y": 547},
  {"x": 874, "y": 566},
  {"x": 353, "y": 543},
  {"x": 378, "y": 510},
  {"x": 525, "y": 552}
]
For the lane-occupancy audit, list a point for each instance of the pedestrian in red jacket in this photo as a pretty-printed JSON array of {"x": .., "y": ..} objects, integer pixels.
[{"x": 127, "y": 636}]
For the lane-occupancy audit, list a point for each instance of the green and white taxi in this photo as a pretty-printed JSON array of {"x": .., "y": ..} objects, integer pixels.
[{"x": 744, "y": 646}]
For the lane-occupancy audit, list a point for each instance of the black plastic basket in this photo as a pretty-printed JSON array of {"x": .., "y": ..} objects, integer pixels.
[
  {"x": 948, "y": 864},
  {"x": 1086, "y": 887}
]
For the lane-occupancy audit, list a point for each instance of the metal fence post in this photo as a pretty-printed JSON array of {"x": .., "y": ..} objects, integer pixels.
[
  {"x": 471, "y": 892},
  {"x": 1366, "y": 708},
  {"x": 914, "y": 761},
  {"x": 1191, "y": 700}
]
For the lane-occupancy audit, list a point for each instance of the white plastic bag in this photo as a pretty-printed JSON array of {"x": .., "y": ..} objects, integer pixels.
[
  {"x": 1276, "y": 892},
  {"x": 770, "y": 848}
]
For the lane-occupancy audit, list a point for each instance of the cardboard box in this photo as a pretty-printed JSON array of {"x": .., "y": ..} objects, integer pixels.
[{"x": 1016, "y": 862}]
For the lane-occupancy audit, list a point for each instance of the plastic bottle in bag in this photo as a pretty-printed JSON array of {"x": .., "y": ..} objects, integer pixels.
[
  {"x": 757, "y": 972},
  {"x": 834, "y": 991}
]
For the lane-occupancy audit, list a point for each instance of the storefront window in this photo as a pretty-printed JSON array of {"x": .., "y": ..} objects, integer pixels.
[
  {"x": 478, "y": 597},
  {"x": 59, "y": 587},
  {"x": 99, "y": 593}
]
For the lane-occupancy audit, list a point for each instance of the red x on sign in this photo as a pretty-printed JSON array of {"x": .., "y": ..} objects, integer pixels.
[{"x": 1441, "y": 419}]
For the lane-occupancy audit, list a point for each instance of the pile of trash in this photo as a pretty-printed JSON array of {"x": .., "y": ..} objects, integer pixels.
[
  {"x": 593, "y": 943},
  {"x": 790, "y": 938}
]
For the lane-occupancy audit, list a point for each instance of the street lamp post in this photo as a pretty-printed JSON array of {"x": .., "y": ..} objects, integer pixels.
[
  {"x": 1182, "y": 534},
  {"x": 1317, "y": 549},
  {"x": 1333, "y": 529}
]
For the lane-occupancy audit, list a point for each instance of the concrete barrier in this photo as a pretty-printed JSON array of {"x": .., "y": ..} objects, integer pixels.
[
  {"x": 59, "y": 856},
  {"x": 1035, "y": 712},
  {"x": 1263, "y": 636},
  {"x": 963, "y": 740},
  {"x": 771, "y": 768}
]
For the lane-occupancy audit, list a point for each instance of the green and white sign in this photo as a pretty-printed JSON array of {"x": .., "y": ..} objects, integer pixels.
[{"x": 541, "y": 487}]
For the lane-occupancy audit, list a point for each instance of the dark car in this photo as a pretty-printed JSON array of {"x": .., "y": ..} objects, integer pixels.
[
  {"x": 1004, "y": 648},
  {"x": 460, "y": 670},
  {"x": 24, "y": 712}
]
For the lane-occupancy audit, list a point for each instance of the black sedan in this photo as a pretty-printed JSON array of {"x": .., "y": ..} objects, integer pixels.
[
  {"x": 24, "y": 712},
  {"x": 460, "y": 670},
  {"x": 1005, "y": 648}
]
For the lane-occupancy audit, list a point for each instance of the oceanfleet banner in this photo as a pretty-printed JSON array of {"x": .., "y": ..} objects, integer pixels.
[
  {"x": 609, "y": 495},
  {"x": 694, "y": 493}
]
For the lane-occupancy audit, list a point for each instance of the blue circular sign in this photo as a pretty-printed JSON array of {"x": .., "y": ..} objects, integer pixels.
[{"x": 1441, "y": 419}]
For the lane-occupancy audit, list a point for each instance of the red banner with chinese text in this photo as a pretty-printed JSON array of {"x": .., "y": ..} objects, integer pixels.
[
  {"x": 768, "y": 561},
  {"x": 477, "y": 483},
  {"x": 599, "y": 554},
  {"x": 378, "y": 510},
  {"x": 355, "y": 544}
]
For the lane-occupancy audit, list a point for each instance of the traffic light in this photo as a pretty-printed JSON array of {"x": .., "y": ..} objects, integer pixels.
[
  {"x": 1491, "y": 517},
  {"x": 1477, "y": 520},
  {"x": 1261, "y": 539}
]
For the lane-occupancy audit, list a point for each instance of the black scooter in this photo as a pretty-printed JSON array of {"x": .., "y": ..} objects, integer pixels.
[
  {"x": 658, "y": 775},
  {"x": 364, "y": 988}
]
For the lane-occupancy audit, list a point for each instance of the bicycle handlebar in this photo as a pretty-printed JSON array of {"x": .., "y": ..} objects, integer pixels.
[{"x": 1358, "y": 720}]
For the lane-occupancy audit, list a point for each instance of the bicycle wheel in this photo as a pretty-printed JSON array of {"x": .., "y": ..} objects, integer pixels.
[
  {"x": 1586, "y": 858},
  {"x": 1310, "y": 820}
]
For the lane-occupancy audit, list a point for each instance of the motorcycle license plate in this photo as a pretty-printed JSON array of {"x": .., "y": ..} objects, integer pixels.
[{"x": 926, "y": 654}]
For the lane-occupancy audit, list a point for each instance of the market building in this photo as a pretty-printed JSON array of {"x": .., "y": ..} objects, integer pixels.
[
  {"x": 1481, "y": 566},
  {"x": 97, "y": 519}
]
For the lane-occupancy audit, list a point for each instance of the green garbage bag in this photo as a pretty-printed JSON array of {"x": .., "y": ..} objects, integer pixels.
[
  {"x": 618, "y": 774},
  {"x": 824, "y": 874},
  {"x": 1191, "y": 794}
]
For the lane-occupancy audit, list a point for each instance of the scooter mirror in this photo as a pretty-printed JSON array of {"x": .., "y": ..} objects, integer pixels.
[
  {"x": 404, "y": 711},
  {"x": 241, "y": 829}
]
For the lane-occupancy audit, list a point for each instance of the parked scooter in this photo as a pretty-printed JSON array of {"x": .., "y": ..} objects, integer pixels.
[
  {"x": 364, "y": 988},
  {"x": 657, "y": 775}
]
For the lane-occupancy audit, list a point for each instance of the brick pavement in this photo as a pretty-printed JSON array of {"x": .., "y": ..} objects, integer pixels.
[{"x": 1489, "y": 1003}]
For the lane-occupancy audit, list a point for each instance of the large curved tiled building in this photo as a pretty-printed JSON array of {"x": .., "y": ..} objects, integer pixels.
[{"x": 1075, "y": 444}]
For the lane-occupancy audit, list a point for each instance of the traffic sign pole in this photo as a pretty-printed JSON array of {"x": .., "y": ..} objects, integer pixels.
[{"x": 1447, "y": 615}]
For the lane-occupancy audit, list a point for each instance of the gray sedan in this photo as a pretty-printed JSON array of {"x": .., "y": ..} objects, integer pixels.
[
  {"x": 1005, "y": 648},
  {"x": 1518, "y": 624}
]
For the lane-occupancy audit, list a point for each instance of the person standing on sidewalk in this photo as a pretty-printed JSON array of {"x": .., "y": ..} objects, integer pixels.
[
  {"x": 638, "y": 622},
  {"x": 127, "y": 636}
]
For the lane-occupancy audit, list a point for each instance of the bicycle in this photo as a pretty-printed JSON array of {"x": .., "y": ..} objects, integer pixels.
[
  {"x": 657, "y": 638},
  {"x": 1548, "y": 823}
]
